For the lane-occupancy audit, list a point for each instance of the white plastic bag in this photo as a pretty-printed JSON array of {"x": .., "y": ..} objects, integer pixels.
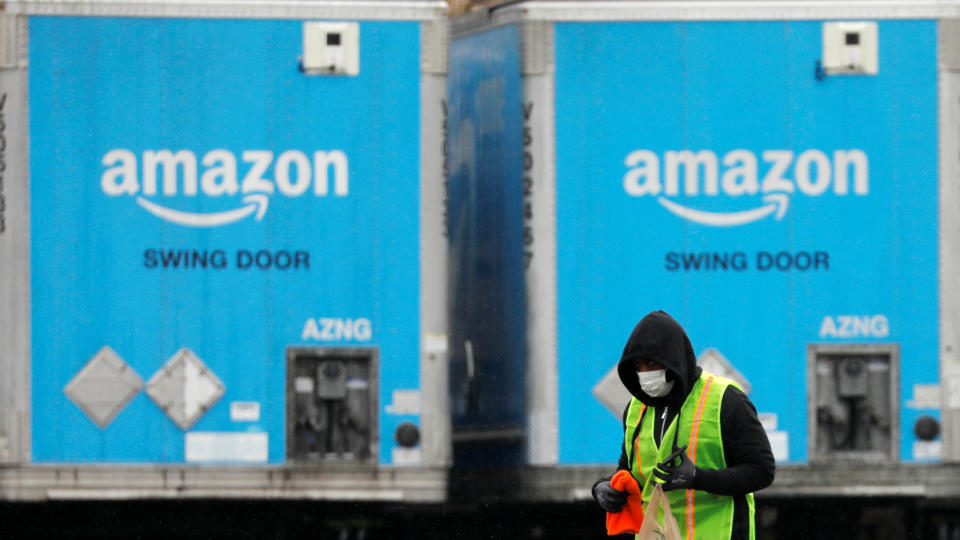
[{"x": 652, "y": 528}]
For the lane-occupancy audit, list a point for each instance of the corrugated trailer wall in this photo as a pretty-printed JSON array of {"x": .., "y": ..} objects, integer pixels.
[
  {"x": 813, "y": 206},
  {"x": 486, "y": 297},
  {"x": 949, "y": 42},
  {"x": 14, "y": 249},
  {"x": 771, "y": 175},
  {"x": 237, "y": 251}
]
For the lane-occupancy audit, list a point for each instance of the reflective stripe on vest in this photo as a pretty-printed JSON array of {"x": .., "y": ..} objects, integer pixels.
[{"x": 700, "y": 514}]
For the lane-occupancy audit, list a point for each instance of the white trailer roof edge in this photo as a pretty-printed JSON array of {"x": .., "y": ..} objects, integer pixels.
[
  {"x": 236, "y": 9},
  {"x": 719, "y": 10}
]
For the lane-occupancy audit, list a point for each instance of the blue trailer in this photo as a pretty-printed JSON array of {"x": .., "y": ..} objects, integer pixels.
[
  {"x": 222, "y": 259},
  {"x": 779, "y": 176}
]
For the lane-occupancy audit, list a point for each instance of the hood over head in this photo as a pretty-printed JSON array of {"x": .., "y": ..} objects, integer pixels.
[{"x": 660, "y": 338}]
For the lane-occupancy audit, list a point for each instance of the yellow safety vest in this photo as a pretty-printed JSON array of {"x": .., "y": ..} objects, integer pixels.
[{"x": 701, "y": 515}]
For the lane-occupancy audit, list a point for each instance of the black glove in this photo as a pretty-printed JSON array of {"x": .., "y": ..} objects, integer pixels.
[
  {"x": 678, "y": 476},
  {"x": 609, "y": 499}
]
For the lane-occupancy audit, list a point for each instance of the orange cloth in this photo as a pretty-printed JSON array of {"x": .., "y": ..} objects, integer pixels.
[{"x": 629, "y": 519}]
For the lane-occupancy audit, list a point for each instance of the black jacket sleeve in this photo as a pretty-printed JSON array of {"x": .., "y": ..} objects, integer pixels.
[
  {"x": 746, "y": 449},
  {"x": 623, "y": 464}
]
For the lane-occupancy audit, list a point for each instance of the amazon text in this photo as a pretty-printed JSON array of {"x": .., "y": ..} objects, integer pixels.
[
  {"x": 738, "y": 172},
  {"x": 291, "y": 173}
]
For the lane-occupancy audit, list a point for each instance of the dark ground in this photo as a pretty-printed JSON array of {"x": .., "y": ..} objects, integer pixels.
[{"x": 784, "y": 519}]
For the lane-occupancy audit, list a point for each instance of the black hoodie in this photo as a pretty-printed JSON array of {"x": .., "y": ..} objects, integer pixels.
[
  {"x": 660, "y": 338},
  {"x": 750, "y": 464}
]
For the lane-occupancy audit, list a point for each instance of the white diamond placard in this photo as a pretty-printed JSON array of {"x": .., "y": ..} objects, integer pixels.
[
  {"x": 104, "y": 386},
  {"x": 713, "y": 362},
  {"x": 611, "y": 393},
  {"x": 184, "y": 388},
  {"x": 614, "y": 396}
]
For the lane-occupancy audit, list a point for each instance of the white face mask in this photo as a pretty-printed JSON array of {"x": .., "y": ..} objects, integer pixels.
[{"x": 655, "y": 383}]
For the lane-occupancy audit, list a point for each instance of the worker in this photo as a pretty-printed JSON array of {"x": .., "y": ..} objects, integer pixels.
[{"x": 695, "y": 433}]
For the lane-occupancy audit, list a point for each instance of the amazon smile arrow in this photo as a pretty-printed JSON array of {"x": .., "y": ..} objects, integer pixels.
[
  {"x": 254, "y": 203},
  {"x": 775, "y": 203}
]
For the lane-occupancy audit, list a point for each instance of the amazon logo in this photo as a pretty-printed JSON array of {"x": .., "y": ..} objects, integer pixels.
[
  {"x": 773, "y": 177},
  {"x": 162, "y": 174}
]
